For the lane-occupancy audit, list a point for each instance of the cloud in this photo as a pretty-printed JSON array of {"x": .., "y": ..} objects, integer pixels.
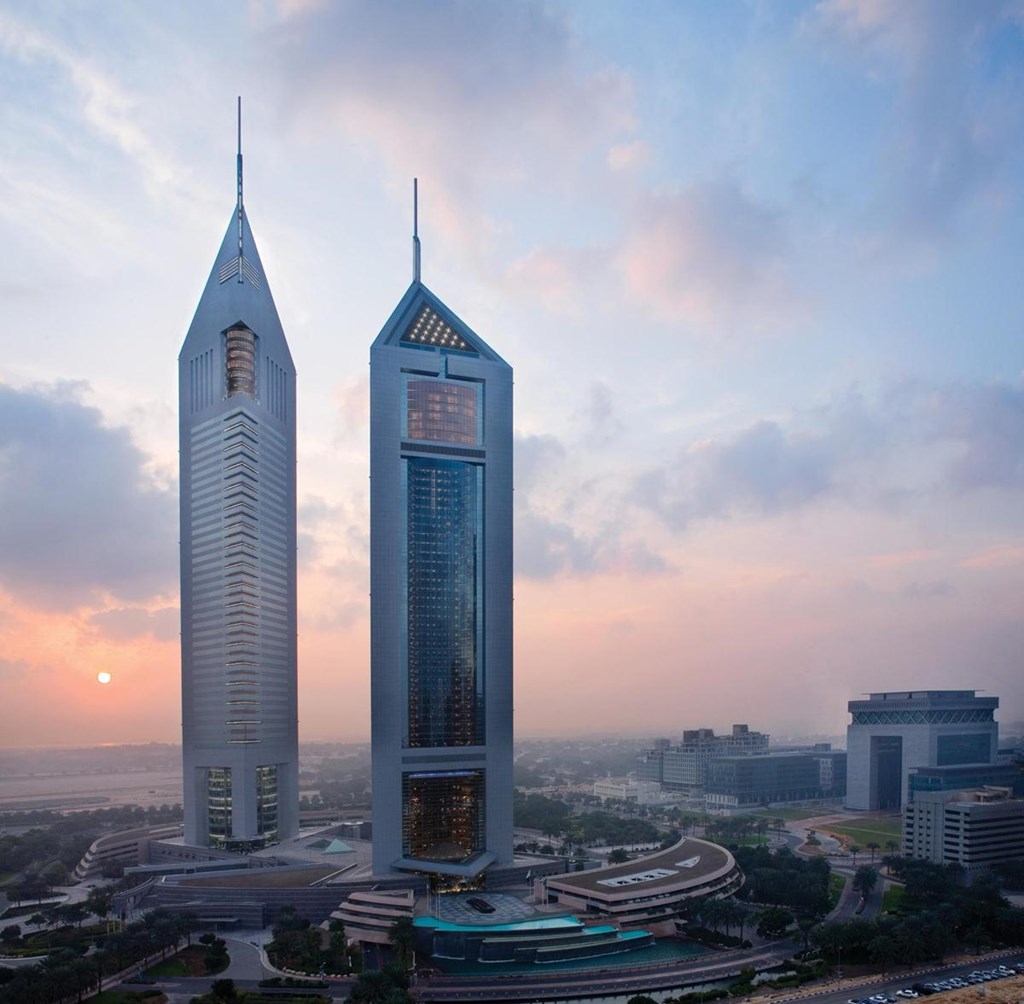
[
  {"x": 562, "y": 279},
  {"x": 763, "y": 469},
  {"x": 126, "y": 623},
  {"x": 550, "y": 539},
  {"x": 912, "y": 440},
  {"x": 16, "y": 670},
  {"x": 461, "y": 93},
  {"x": 987, "y": 424},
  {"x": 108, "y": 110},
  {"x": 955, "y": 119},
  {"x": 709, "y": 254},
  {"x": 603, "y": 423},
  {"x": 536, "y": 457},
  {"x": 629, "y": 156},
  {"x": 547, "y": 547},
  {"x": 81, "y": 518}
]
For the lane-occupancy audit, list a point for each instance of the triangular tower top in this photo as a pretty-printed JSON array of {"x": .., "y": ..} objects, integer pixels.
[
  {"x": 422, "y": 321},
  {"x": 237, "y": 291}
]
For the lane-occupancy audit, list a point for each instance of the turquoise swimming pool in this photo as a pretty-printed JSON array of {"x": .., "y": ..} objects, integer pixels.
[{"x": 663, "y": 950}]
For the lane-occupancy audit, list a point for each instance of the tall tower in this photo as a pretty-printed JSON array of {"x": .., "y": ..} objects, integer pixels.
[
  {"x": 236, "y": 407},
  {"x": 441, "y": 594}
]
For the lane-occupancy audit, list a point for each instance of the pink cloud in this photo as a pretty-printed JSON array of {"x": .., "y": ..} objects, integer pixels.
[{"x": 710, "y": 256}]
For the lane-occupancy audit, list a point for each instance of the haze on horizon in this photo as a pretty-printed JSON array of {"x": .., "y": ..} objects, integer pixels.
[{"x": 756, "y": 267}]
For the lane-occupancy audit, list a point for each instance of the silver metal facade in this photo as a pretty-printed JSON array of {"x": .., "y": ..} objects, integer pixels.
[
  {"x": 441, "y": 594},
  {"x": 893, "y": 732},
  {"x": 236, "y": 385}
]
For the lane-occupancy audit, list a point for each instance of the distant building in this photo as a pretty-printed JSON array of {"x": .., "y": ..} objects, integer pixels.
[
  {"x": 627, "y": 789},
  {"x": 975, "y": 829},
  {"x": 236, "y": 417},
  {"x": 683, "y": 767},
  {"x": 894, "y": 731},
  {"x": 738, "y": 782}
]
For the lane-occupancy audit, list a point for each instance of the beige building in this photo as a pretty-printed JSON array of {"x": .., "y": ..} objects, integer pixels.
[
  {"x": 628, "y": 790},
  {"x": 974, "y": 828}
]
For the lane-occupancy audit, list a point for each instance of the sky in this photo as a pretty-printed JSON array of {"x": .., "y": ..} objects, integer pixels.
[{"x": 756, "y": 266}]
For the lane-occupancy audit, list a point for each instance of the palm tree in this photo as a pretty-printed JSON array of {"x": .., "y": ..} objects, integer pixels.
[
  {"x": 854, "y": 850},
  {"x": 805, "y": 925},
  {"x": 864, "y": 880},
  {"x": 402, "y": 935},
  {"x": 873, "y": 846}
]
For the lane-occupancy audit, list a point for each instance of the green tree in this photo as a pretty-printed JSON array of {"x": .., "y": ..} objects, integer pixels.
[
  {"x": 864, "y": 880},
  {"x": 618, "y": 856},
  {"x": 773, "y": 922},
  {"x": 402, "y": 935},
  {"x": 100, "y": 902},
  {"x": 223, "y": 990}
]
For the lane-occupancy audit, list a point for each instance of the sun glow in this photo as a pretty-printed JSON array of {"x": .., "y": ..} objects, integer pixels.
[{"x": 103, "y": 677}]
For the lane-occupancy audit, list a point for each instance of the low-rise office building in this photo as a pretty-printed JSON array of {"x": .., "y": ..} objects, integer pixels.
[
  {"x": 744, "y": 782},
  {"x": 975, "y": 829},
  {"x": 123, "y": 848},
  {"x": 627, "y": 789},
  {"x": 651, "y": 892},
  {"x": 683, "y": 767}
]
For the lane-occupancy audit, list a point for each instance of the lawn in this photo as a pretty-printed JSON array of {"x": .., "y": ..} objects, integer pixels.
[
  {"x": 836, "y": 884},
  {"x": 879, "y": 831},
  {"x": 791, "y": 815},
  {"x": 892, "y": 899},
  {"x": 188, "y": 962}
]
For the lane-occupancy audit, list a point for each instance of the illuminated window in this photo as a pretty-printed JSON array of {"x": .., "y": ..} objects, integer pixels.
[
  {"x": 218, "y": 803},
  {"x": 443, "y": 814},
  {"x": 442, "y": 410},
  {"x": 240, "y": 355},
  {"x": 266, "y": 801}
]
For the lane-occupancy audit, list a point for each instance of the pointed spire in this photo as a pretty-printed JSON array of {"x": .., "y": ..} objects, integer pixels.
[
  {"x": 239, "y": 210},
  {"x": 415, "y": 231}
]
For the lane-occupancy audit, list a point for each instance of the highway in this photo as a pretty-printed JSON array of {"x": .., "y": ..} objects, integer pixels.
[{"x": 621, "y": 983}]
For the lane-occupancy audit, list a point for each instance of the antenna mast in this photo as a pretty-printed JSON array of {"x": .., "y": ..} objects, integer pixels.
[
  {"x": 415, "y": 231},
  {"x": 239, "y": 211}
]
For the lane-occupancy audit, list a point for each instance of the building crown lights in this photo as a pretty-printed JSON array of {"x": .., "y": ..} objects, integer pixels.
[{"x": 429, "y": 328}]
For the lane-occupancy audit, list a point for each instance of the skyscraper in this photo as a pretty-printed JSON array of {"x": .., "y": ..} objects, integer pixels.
[
  {"x": 236, "y": 401},
  {"x": 441, "y": 594}
]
